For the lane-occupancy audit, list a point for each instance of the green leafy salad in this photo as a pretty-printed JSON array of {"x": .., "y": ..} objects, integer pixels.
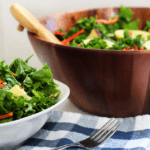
[
  {"x": 24, "y": 90},
  {"x": 120, "y": 32}
]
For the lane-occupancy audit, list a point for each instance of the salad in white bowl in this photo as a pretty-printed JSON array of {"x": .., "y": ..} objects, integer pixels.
[
  {"x": 24, "y": 90},
  {"x": 27, "y": 98}
]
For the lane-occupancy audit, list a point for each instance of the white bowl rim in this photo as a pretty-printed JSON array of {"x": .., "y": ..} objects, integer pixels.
[{"x": 42, "y": 112}]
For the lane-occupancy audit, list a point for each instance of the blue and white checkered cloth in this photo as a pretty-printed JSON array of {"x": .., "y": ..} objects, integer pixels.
[{"x": 66, "y": 128}]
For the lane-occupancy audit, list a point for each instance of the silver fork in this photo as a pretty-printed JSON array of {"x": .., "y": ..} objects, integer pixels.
[{"x": 97, "y": 138}]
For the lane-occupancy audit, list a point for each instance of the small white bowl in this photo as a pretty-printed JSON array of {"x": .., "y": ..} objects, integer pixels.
[{"x": 14, "y": 133}]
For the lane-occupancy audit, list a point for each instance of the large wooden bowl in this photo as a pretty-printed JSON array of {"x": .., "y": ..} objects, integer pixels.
[{"x": 102, "y": 82}]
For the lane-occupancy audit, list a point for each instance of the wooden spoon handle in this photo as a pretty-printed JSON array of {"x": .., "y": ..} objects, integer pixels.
[
  {"x": 20, "y": 27},
  {"x": 31, "y": 23}
]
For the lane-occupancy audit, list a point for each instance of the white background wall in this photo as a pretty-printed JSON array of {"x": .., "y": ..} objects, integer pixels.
[{"x": 16, "y": 44}]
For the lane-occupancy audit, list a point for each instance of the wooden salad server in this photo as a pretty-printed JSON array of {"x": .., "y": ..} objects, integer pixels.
[{"x": 27, "y": 20}]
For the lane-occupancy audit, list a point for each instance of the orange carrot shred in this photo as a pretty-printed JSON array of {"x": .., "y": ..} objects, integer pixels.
[
  {"x": 6, "y": 115},
  {"x": 1, "y": 81},
  {"x": 136, "y": 47},
  {"x": 58, "y": 33},
  {"x": 128, "y": 48},
  {"x": 66, "y": 41},
  {"x": 70, "y": 28},
  {"x": 2, "y": 85},
  {"x": 130, "y": 33},
  {"x": 142, "y": 48},
  {"x": 149, "y": 30},
  {"x": 107, "y": 21},
  {"x": 13, "y": 74}
]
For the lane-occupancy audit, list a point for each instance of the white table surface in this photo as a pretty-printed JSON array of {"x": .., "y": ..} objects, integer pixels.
[{"x": 68, "y": 106}]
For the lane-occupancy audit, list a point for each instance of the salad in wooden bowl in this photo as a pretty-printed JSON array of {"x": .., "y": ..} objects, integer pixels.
[
  {"x": 104, "y": 58},
  {"x": 120, "y": 32}
]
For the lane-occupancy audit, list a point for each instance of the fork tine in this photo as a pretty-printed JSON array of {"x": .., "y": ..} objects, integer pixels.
[
  {"x": 106, "y": 132},
  {"x": 106, "y": 126},
  {"x": 90, "y": 143},
  {"x": 109, "y": 135}
]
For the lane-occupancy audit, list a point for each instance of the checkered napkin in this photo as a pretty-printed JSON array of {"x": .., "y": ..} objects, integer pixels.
[{"x": 66, "y": 128}]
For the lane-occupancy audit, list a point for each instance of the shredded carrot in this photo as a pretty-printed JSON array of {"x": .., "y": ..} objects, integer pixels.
[
  {"x": 149, "y": 30},
  {"x": 1, "y": 81},
  {"x": 66, "y": 41},
  {"x": 128, "y": 48},
  {"x": 79, "y": 45},
  {"x": 117, "y": 37},
  {"x": 13, "y": 74},
  {"x": 136, "y": 47},
  {"x": 21, "y": 87},
  {"x": 142, "y": 48},
  {"x": 6, "y": 115},
  {"x": 70, "y": 28},
  {"x": 2, "y": 86},
  {"x": 58, "y": 33},
  {"x": 107, "y": 21},
  {"x": 130, "y": 33}
]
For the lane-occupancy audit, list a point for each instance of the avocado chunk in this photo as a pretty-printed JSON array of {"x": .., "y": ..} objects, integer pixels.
[
  {"x": 147, "y": 45},
  {"x": 95, "y": 33},
  {"x": 19, "y": 92},
  {"x": 134, "y": 33},
  {"x": 109, "y": 43}
]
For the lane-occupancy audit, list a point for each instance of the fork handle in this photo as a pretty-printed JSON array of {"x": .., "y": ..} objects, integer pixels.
[{"x": 67, "y": 145}]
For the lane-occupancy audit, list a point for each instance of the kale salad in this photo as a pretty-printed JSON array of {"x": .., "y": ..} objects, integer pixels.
[
  {"x": 24, "y": 90},
  {"x": 121, "y": 32}
]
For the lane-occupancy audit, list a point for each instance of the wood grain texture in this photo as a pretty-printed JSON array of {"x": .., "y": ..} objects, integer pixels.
[
  {"x": 31, "y": 23},
  {"x": 105, "y": 83}
]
